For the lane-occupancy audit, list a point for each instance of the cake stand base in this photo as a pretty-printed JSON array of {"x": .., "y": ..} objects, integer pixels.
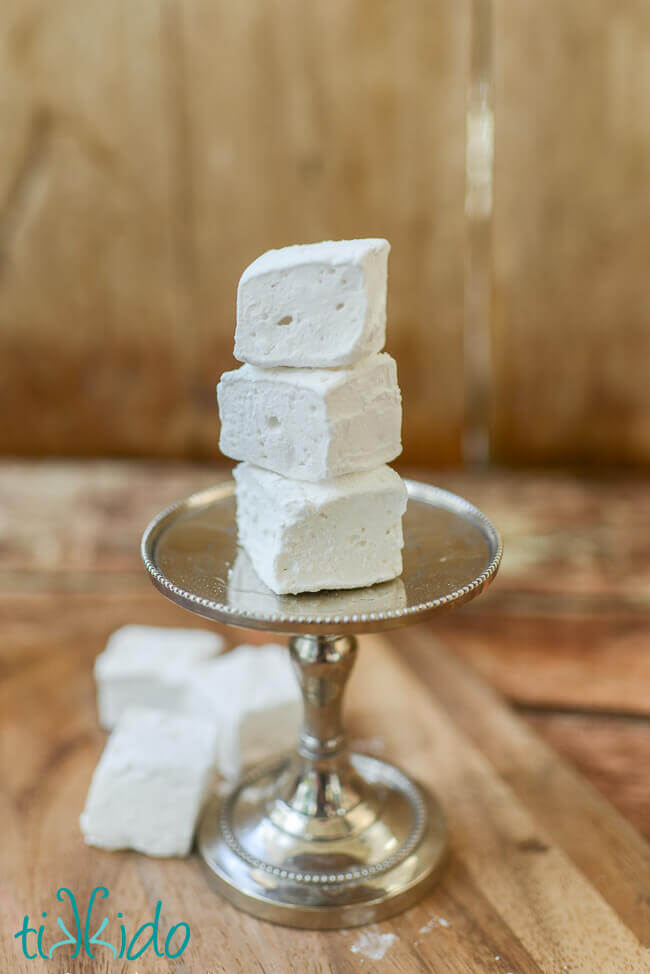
[
  {"x": 322, "y": 838},
  {"x": 384, "y": 854}
]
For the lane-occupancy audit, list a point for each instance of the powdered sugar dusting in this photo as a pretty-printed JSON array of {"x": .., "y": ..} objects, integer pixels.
[
  {"x": 373, "y": 945},
  {"x": 434, "y": 922}
]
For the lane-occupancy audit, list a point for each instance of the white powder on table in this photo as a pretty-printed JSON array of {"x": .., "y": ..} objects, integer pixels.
[{"x": 373, "y": 945}]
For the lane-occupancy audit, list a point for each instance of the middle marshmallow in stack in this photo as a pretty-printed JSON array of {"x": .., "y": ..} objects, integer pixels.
[{"x": 315, "y": 414}]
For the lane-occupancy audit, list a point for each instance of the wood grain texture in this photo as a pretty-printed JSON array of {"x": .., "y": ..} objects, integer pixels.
[
  {"x": 157, "y": 149},
  {"x": 499, "y": 898},
  {"x": 525, "y": 764},
  {"x": 572, "y": 541},
  {"x": 582, "y": 661},
  {"x": 571, "y": 309},
  {"x": 152, "y": 150},
  {"x": 611, "y": 751},
  {"x": 544, "y": 876},
  {"x": 502, "y": 850}
]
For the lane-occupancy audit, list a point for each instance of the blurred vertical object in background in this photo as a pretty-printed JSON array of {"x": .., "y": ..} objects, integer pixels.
[
  {"x": 152, "y": 150},
  {"x": 479, "y": 163}
]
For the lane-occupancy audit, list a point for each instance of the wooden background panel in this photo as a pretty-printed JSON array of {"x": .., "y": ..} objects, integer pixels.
[
  {"x": 572, "y": 295},
  {"x": 158, "y": 147},
  {"x": 151, "y": 150}
]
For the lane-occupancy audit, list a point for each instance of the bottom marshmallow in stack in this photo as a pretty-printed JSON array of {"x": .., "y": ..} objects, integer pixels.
[
  {"x": 345, "y": 532},
  {"x": 203, "y": 717}
]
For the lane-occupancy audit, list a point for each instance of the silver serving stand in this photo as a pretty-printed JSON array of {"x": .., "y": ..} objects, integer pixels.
[{"x": 322, "y": 837}]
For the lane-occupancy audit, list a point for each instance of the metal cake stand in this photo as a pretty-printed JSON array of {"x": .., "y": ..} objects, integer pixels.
[{"x": 322, "y": 838}]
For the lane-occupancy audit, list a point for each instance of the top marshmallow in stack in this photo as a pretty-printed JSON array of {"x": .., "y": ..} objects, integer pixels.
[
  {"x": 316, "y": 398},
  {"x": 313, "y": 305}
]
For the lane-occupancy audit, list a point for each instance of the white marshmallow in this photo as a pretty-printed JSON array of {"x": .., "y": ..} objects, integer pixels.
[
  {"x": 320, "y": 304},
  {"x": 312, "y": 424},
  {"x": 145, "y": 666},
  {"x": 150, "y": 783},
  {"x": 248, "y": 593},
  {"x": 340, "y": 533},
  {"x": 254, "y": 696}
]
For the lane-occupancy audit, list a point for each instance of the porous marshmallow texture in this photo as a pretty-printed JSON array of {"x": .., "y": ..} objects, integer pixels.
[
  {"x": 150, "y": 783},
  {"x": 254, "y": 696},
  {"x": 145, "y": 666},
  {"x": 316, "y": 305},
  {"x": 304, "y": 537},
  {"x": 312, "y": 424}
]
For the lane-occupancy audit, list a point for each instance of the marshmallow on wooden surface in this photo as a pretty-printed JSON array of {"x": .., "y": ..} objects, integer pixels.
[
  {"x": 145, "y": 666},
  {"x": 149, "y": 786},
  {"x": 312, "y": 424},
  {"x": 306, "y": 537},
  {"x": 321, "y": 304},
  {"x": 253, "y": 694}
]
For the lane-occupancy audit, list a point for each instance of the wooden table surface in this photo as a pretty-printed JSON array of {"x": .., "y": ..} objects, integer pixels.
[{"x": 548, "y": 869}]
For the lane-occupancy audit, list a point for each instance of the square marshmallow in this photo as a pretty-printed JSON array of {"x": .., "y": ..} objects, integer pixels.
[
  {"x": 253, "y": 694},
  {"x": 312, "y": 424},
  {"x": 145, "y": 665},
  {"x": 341, "y": 533},
  {"x": 248, "y": 593},
  {"x": 320, "y": 304},
  {"x": 150, "y": 783}
]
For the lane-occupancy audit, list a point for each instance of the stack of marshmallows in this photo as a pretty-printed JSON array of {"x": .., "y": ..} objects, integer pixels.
[{"x": 315, "y": 415}]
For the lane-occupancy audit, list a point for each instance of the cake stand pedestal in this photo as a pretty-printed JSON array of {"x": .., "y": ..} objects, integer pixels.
[{"x": 322, "y": 838}]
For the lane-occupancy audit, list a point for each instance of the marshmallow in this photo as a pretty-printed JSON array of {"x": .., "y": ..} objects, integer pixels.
[
  {"x": 320, "y": 304},
  {"x": 254, "y": 696},
  {"x": 312, "y": 424},
  {"x": 340, "y": 533},
  {"x": 150, "y": 783},
  {"x": 248, "y": 593},
  {"x": 145, "y": 666}
]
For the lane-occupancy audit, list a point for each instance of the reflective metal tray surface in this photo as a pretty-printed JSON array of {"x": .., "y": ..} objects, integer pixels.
[{"x": 451, "y": 552}]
